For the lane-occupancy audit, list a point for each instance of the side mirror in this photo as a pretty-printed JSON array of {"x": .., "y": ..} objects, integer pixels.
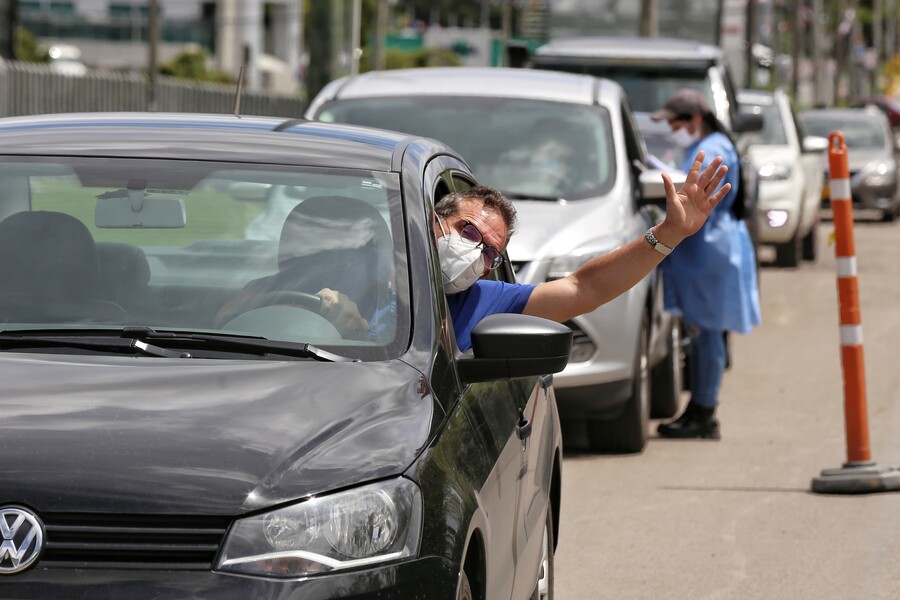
[
  {"x": 653, "y": 190},
  {"x": 746, "y": 122},
  {"x": 507, "y": 346},
  {"x": 815, "y": 143}
]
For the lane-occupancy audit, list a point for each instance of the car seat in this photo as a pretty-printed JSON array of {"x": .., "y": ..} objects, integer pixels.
[{"x": 50, "y": 271}]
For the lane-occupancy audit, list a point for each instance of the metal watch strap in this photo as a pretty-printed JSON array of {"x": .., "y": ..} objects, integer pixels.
[{"x": 656, "y": 244}]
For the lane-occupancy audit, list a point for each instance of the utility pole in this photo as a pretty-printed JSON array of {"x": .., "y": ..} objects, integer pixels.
[
  {"x": 649, "y": 18},
  {"x": 750, "y": 37},
  {"x": 818, "y": 58},
  {"x": 355, "y": 48},
  {"x": 877, "y": 42},
  {"x": 381, "y": 22},
  {"x": 796, "y": 44},
  {"x": 152, "y": 67}
]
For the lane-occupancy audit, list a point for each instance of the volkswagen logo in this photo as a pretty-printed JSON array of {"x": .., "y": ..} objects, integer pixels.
[{"x": 21, "y": 539}]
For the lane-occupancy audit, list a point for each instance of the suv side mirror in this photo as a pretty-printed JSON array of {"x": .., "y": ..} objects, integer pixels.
[
  {"x": 653, "y": 190},
  {"x": 815, "y": 143},
  {"x": 746, "y": 122},
  {"x": 507, "y": 346}
]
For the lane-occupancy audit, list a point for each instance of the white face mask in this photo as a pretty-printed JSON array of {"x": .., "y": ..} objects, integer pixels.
[
  {"x": 461, "y": 262},
  {"x": 685, "y": 138}
]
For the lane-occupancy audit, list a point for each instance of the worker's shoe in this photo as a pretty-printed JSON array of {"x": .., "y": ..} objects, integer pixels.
[{"x": 695, "y": 422}]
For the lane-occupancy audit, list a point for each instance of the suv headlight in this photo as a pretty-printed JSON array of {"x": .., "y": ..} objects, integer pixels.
[
  {"x": 774, "y": 172},
  {"x": 879, "y": 174},
  {"x": 371, "y": 524},
  {"x": 561, "y": 266}
]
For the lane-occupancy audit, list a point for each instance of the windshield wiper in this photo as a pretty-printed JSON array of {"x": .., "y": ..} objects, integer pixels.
[
  {"x": 72, "y": 339},
  {"x": 136, "y": 339}
]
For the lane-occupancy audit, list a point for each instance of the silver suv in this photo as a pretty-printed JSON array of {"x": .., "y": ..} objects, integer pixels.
[{"x": 565, "y": 148}]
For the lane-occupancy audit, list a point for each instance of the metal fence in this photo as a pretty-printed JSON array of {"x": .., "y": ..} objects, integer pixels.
[{"x": 31, "y": 89}]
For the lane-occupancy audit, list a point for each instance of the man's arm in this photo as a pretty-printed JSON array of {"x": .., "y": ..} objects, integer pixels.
[{"x": 605, "y": 277}]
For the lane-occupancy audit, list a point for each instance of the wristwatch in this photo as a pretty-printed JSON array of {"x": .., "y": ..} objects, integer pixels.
[{"x": 656, "y": 244}]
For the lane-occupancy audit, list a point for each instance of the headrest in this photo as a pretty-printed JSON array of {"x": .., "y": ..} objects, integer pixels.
[
  {"x": 47, "y": 253},
  {"x": 333, "y": 224}
]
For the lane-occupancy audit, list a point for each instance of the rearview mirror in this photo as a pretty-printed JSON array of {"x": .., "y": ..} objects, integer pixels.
[
  {"x": 507, "y": 346},
  {"x": 148, "y": 213},
  {"x": 746, "y": 122}
]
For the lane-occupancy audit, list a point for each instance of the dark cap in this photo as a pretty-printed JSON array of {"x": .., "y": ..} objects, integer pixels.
[{"x": 685, "y": 102}]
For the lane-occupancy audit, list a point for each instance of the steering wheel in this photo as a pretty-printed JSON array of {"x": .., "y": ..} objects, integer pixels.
[{"x": 310, "y": 302}]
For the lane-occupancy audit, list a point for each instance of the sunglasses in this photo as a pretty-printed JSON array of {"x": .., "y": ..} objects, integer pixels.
[{"x": 491, "y": 256}]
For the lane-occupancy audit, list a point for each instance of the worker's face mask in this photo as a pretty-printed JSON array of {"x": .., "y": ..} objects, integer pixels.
[
  {"x": 685, "y": 138},
  {"x": 461, "y": 261}
]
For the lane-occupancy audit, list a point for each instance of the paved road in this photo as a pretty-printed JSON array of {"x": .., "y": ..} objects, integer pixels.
[{"x": 736, "y": 519}]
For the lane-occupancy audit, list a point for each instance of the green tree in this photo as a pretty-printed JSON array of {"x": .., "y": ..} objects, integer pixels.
[
  {"x": 192, "y": 64},
  {"x": 28, "y": 49}
]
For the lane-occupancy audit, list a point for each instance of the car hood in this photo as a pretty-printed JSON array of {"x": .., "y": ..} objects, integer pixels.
[
  {"x": 857, "y": 159},
  {"x": 548, "y": 229},
  {"x": 148, "y": 435}
]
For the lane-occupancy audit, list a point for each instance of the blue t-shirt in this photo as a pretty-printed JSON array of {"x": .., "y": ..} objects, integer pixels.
[{"x": 486, "y": 297}]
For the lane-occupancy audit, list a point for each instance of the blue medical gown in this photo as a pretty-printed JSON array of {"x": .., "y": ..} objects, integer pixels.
[{"x": 710, "y": 277}]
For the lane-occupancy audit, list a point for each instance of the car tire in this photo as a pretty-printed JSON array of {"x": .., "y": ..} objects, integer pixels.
[
  {"x": 810, "y": 244},
  {"x": 627, "y": 431},
  {"x": 890, "y": 214},
  {"x": 788, "y": 253},
  {"x": 464, "y": 592},
  {"x": 543, "y": 589},
  {"x": 667, "y": 380}
]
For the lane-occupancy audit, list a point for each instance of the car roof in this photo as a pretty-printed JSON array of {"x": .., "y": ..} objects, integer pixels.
[
  {"x": 656, "y": 49},
  {"x": 478, "y": 81},
  {"x": 228, "y": 138}
]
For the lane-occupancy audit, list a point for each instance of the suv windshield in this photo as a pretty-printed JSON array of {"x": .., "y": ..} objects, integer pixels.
[
  {"x": 526, "y": 148},
  {"x": 772, "y": 132},
  {"x": 858, "y": 133},
  {"x": 228, "y": 249},
  {"x": 647, "y": 87}
]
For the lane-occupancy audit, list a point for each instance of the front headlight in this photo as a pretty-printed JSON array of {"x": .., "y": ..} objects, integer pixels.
[
  {"x": 561, "y": 266},
  {"x": 879, "y": 174},
  {"x": 371, "y": 524},
  {"x": 774, "y": 172}
]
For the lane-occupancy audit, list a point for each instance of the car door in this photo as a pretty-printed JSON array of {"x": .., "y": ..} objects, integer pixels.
[
  {"x": 535, "y": 434},
  {"x": 499, "y": 413}
]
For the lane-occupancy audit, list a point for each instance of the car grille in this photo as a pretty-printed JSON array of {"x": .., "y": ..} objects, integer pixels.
[{"x": 132, "y": 541}]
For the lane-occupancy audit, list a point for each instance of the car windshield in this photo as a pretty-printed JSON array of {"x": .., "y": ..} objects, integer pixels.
[
  {"x": 858, "y": 133},
  {"x": 228, "y": 249},
  {"x": 772, "y": 132},
  {"x": 526, "y": 148},
  {"x": 647, "y": 87}
]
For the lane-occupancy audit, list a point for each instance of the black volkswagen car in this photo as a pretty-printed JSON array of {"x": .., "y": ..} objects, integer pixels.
[{"x": 180, "y": 421}]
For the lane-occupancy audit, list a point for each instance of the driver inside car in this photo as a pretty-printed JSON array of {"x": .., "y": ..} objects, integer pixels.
[{"x": 472, "y": 229}]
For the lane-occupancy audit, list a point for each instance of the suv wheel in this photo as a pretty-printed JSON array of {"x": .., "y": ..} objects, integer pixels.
[
  {"x": 543, "y": 590},
  {"x": 668, "y": 381},
  {"x": 627, "y": 432},
  {"x": 810, "y": 242},
  {"x": 788, "y": 253}
]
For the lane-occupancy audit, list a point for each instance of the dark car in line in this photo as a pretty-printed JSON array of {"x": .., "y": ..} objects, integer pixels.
[
  {"x": 873, "y": 155},
  {"x": 180, "y": 421}
]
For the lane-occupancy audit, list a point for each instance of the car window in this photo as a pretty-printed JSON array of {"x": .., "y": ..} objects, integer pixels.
[
  {"x": 175, "y": 245},
  {"x": 523, "y": 147}
]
